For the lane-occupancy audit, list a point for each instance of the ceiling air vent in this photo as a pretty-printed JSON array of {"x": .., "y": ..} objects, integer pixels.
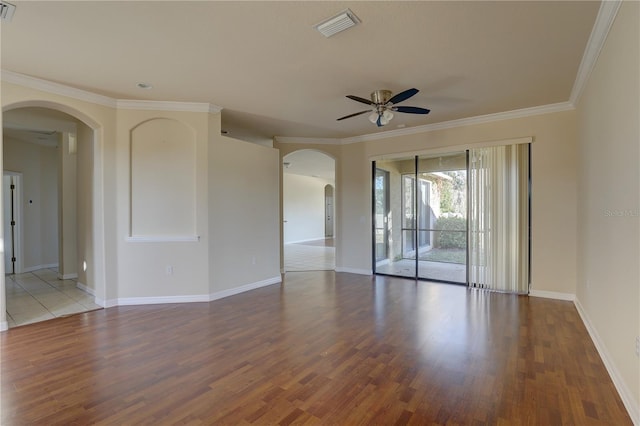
[
  {"x": 6, "y": 10},
  {"x": 335, "y": 24}
]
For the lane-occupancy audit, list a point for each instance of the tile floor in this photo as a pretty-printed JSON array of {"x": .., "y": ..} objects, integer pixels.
[
  {"x": 310, "y": 256},
  {"x": 40, "y": 295}
]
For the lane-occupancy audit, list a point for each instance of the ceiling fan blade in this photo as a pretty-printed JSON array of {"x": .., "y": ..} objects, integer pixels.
[
  {"x": 359, "y": 99},
  {"x": 379, "y": 120},
  {"x": 353, "y": 115},
  {"x": 411, "y": 110},
  {"x": 402, "y": 96}
]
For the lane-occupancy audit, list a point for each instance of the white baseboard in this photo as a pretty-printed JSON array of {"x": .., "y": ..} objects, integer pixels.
[
  {"x": 38, "y": 267},
  {"x": 127, "y": 301},
  {"x": 247, "y": 287},
  {"x": 306, "y": 241},
  {"x": 106, "y": 303},
  {"x": 85, "y": 288},
  {"x": 4, "y": 326},
  {"x": 630, "y": 403},
  {"x": 553, "y": 295},
  {"x": 355, "y": 271},
  {"x": 92, "y": 292},
  {"x": 67, "y": 276}
]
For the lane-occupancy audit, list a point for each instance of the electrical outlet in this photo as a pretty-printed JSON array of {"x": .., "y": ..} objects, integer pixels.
[
  {"x": 253, "y": 260},
  {"x": 169, "y": 270}
]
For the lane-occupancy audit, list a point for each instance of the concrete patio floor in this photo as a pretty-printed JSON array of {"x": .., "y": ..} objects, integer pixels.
[{"x": 442, "y": 271}]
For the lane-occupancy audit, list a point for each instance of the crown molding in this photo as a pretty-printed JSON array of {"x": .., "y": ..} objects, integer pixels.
[
  {"x": 604, "y": 21},
  {"x": 56, "y": 88},
  {"x": 83, "y": 95},
  {"x": 606, "y": 15},
  {"x": 309, "y": 141},
  {"x": 480, "y": 119},
  {"x": 168, "y": 106}
]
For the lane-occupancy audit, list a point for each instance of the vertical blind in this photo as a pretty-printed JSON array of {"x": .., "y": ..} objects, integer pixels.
[{"x": 499, "y": 218}]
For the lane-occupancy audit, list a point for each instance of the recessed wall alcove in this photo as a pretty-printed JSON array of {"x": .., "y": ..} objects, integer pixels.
[{"x": 163, "y": 180}]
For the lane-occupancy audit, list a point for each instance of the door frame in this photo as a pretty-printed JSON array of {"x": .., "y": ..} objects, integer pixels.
[
  {"x": 387, "y": 209},
  {"x": 17, "y": 214},
  {"x": 410, "y": 181},
  {"x": 329, "y": 210}
]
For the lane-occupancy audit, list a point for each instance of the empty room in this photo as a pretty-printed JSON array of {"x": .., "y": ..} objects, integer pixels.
[{"x": 319, "y": 212}]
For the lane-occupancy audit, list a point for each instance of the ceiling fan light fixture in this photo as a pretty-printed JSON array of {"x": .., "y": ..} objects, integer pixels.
[
  {"x": 338, "y": 23},
  {"x": 381, "y": 119},
  {"x": 386, "y": 117}
]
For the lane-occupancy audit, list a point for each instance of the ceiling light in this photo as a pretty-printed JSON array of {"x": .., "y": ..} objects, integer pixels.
[
  {"x": 383, "y": 118},
  {"x": 6, "y": 10},
  {"x": 335, "y": 24},
  {"x": 143, "y": 85}
]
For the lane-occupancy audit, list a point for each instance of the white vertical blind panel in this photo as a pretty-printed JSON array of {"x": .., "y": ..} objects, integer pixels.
[{"x": 499, "y": 220}]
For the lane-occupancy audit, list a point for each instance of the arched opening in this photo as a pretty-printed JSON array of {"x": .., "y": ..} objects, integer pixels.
[
  {"x": 53, "y": 213},
  {"x": 308, "y": 182}
]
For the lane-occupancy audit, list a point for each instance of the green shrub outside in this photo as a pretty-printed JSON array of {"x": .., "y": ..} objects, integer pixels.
[{"x": 451, "y": 240}]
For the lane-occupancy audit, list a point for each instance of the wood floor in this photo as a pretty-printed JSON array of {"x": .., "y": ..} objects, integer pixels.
[{"x": 323, "y": 348}]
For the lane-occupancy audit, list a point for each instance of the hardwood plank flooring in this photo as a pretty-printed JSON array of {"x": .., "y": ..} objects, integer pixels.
[{"x": 322, "y": 348}]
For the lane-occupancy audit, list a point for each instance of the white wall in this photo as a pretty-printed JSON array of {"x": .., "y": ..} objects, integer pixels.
[
  {"x": 163, "y": 178},
  {"x": 303, "y": 207},
  {"x": 244, "y": 214},
  {"x": 85, "y": 199},
  {"x": 123, "y": 270},
  {"x": 39, "y": 167},
  {"x": 156, "y": 265},
  {"x": 554, "y": 168},
  {"x": 67, "y": 205},
  {"x": 608, "y": 290}
]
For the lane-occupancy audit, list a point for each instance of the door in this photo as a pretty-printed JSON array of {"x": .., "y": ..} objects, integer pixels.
[
  {"x": 442, "y": 217},
  {"x": 328, "y": 211},
  {"x": 381, "y": 214},
  {"x": 420, "y": 217},
  {"x": 11, "y": 210}
]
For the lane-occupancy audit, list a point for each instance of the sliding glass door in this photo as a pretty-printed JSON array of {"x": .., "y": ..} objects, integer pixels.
[
  {"x": 425, "y": 224},
  {"x": 461, "y": 217},
  {"x": 381, "y": 215},
  {"x": 394, "y": 218},
  {"x": 442, "y": 217}
]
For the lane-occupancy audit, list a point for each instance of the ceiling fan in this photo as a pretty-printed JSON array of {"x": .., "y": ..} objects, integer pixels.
[{"x": 384, "y": 106}]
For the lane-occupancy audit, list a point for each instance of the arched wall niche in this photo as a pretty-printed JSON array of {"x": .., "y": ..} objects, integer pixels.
[{"x": 163, "y": 179}]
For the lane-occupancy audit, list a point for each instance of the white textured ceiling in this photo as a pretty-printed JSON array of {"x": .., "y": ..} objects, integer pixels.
[{"x": 274, "y": 75}]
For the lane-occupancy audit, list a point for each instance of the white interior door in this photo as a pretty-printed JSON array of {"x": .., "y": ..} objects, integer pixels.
[
  {"x": 11, "y": 212},
  {"x": 328, "y": 211}
]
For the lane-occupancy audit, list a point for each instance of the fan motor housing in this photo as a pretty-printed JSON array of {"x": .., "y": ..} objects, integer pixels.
[{"x": 380, "y": 96}]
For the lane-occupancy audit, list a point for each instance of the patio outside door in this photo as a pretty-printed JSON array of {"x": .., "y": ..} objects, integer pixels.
[
  {"x": 424, "y": 231},
  {"x": 381, "y": 214},
  {"x": 442, "y": 218}
]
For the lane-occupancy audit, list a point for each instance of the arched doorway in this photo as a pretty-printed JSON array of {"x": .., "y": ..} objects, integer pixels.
[
  {"x": 53, "y": 149},
  {"x": 308, "y": 184}
]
